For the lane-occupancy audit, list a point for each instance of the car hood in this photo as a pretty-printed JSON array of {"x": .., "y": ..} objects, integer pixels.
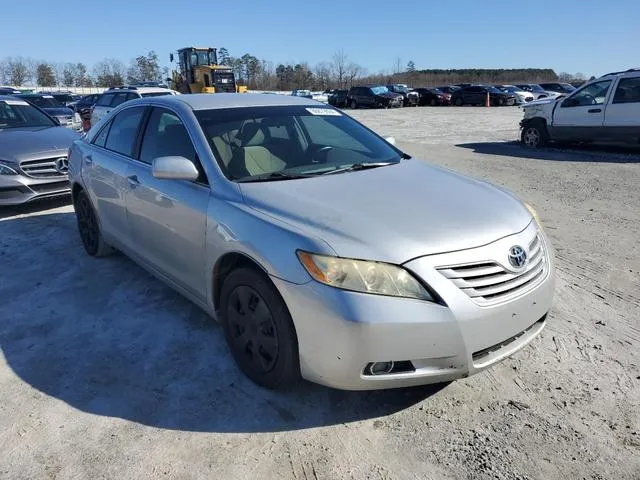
[
  {"x": 22, "y": 144},
  {"x": 540, "y": 102},
  {"x": 392, "y": 214},
  {"x": 389, "y": 95}
]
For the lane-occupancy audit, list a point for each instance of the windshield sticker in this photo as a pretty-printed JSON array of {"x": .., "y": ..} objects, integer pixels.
[
  {"x": 15, "y": 102},
  {"x": 47, "y": 96},
  {"x": 324, "y": 111}
]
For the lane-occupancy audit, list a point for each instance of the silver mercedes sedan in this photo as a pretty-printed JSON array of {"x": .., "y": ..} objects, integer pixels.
[
  {"x": 33, "y": 153},
  {"x": 325, "y": 252}
]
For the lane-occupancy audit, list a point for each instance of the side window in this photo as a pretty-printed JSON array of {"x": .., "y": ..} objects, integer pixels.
[
  {"x": 101, "y": 138},
  {"x": 105, "y": 100},
  {"x": 593, "y": 94},
  {"x": 279, "y": 131},
  {"x": 132, "y": 96},
  {"x": 119, "y": 99},
  {"x": 124, "y": 127},
  {"x": 165, "y": 135},
  {"x": 628, "y": 91}
]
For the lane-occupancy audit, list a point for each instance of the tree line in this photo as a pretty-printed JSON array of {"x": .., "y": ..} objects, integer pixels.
[{"x": 259, "y": 74}]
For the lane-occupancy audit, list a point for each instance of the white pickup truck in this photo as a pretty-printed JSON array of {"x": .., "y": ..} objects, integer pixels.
[{"x": 604, "y": 110}]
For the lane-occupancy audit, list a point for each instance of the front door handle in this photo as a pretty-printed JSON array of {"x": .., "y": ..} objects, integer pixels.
[
  {"x": 133, "y": 181},
  {"x": 595, "y": 110},
  {"x": 87, "y": 159}
]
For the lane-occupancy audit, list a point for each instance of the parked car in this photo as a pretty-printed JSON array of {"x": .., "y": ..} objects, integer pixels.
[
  {"x": 302, "y": 93},
  {"x": 338, "y": 98},
  {"x": 61, "y": 113},
  {"x": 522, "y": 96},
  {"x": 409, "y": 97},
  {"x": 536, "y": 90},
  {"x": 33, "y": 153},
  {"x": 373, "y": 97},
  {"x": 83, "y": 106},
  {"x": 432, "y": 96},
  {"x": 282, "y": 241},
  {"x": 477, "y": 95},
  {"x": 320, "y": 97},
  {"x": 561, "y": 88},
  {"x": 448, "y": 88},
  {"x": 115, "y": 96},
  {"x": 603, "y": 110},
  {"x": 68, "y": 99},
  {"x": 9, "y": 91}
]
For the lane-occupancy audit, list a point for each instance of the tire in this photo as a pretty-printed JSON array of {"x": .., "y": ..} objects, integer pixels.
[
  {"x": 459, "y": 102},
  {"x": 259, "y": 330},
  {"x": 433, "y": 102},
  {"x": 534, "y": 135},
  {"x": 353, "y": 104},
  {"x": 89, "y": 228}
]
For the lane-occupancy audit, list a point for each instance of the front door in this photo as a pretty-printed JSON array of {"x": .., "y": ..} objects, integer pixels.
[
  {"x": 168, "y": 218},
  {"x": 581, "y": 115}
]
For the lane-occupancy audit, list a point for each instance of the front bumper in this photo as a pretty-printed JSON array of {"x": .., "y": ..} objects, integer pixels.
[
  {"x": 340, "y": 332},
  {"x": 19, "y": 189}
]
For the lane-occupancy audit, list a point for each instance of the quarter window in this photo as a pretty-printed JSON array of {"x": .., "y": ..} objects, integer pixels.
[
  {"x": 105, "y": 100},
  {"x": 123, "y": 131},
  {"x": 628, "y": 91},
  {"x": 119, "y": 99},
  {"x": 101, "y": 138}
]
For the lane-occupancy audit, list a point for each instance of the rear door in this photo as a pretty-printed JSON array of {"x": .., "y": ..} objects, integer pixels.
[
  {"x": 622, "y": 115},
  {"x": 580, "y": 116},
  {"x": 102, "y": 107},
  {"x": 105, "y": 163},
  {"x": 168, "y": 218}
]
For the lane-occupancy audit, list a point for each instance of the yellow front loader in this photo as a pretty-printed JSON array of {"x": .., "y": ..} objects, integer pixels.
[{"x": 199, "y": 72}]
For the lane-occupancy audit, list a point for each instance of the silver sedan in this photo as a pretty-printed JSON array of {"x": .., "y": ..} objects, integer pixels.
[
  {"x": 325, "y": 251},
  {"x": 33, "y": 153}
]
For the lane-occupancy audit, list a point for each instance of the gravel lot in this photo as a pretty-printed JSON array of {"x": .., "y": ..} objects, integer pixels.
[{"x": 106, "y": 373}]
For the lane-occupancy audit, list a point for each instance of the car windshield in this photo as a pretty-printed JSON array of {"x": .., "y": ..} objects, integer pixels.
[
  {"x": 400, "y": 89},
  {"x": 435, "y": 90},
  {"x": 536, "y": 88},
  {"x": 18, "y": 113},
  {"x": 63, "y": 97},
  {"x": 567, "y": 87},
  {"x": 302, "y": 93},
  {"x": 493, "y": 90},
  {"x": 266, "y": 143},
  {"x": 46, "y": 101},
  {"x": 379, "y": 90}
]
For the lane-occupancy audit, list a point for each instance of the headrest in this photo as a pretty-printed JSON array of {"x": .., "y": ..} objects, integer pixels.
[{"x": 252, "y": 135}]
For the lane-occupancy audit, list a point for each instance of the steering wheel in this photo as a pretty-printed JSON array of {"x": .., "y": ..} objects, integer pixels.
[
  {"x": 589, "y": 99},
  {"x": 322, "y": 150}
]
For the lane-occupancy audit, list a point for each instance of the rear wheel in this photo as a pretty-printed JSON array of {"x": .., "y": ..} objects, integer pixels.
[
  {"x": 534, "y": 135},
  {"x": 433, "y": 102},
  {"x": 259, "y": 329},
  {"x": 353, "y": 104},
  {"x": 89, "y": 228},
  {"x": 459, "y": 101}
]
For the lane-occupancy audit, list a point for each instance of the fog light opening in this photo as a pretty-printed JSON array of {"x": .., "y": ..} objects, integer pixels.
[{"x": 381, "y": 368}]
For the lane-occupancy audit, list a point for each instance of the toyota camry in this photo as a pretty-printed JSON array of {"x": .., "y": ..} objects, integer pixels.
[{"x": 288, "y": 222}]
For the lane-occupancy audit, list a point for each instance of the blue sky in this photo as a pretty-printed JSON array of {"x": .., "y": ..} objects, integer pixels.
[{"x": 585, "y": 36}]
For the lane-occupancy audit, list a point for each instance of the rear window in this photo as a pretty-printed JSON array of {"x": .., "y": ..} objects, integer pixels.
[
  {"x": 628, "y": 91},
  {"x": 155, "y": 94}
]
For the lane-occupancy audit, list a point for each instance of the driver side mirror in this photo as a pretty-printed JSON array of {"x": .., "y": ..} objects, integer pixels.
[
  {"x": 391, "y": 140},
  {"x": 174, "y": 168},
  {"x": 570, "y": 102}
]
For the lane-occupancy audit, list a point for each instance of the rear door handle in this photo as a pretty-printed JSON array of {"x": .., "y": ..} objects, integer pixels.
[
  {"x": 87, "y": 159},
  {"x": 133, "y": 181},
  {"x": 595, "y": 110}
]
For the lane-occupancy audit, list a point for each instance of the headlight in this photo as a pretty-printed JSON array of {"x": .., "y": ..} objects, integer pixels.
[
  {"x": 363, "y": 276},
  {"x": 534, "y": 214},
  {"x": 6, "y": 170}
]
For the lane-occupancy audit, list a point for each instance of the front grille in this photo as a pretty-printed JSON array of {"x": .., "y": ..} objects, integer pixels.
[
  {"x": 42, "y": 168},
  {"x": 54, "y": 187},
  {"x": 488, "y": 282}
]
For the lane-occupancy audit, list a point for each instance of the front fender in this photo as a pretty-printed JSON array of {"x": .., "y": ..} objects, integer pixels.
[{"x": 233, "y": 227}]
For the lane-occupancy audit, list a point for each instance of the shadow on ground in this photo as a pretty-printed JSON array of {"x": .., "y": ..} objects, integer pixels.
[
  {"x": 34, "y": 207},
  {"x": 108, "y": 339},
  {"x": 572, "y": 153}
]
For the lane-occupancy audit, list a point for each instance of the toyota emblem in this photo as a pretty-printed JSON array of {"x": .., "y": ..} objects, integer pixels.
[
  {"x": 517, "y": 256},
  {"x": 61, "y": 165}
]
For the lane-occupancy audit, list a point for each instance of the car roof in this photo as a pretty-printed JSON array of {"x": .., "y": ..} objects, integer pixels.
[
  {"x": 207, "y": 101},
  {"x": 131, "y": 89}
]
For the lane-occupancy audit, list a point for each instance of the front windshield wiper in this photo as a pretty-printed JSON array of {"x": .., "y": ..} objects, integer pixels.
[
  {"x": 358, "y": 166},
  {"x": 269, "y": 177}
]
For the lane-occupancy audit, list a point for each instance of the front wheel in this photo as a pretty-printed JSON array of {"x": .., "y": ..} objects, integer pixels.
[
  {"x": 259, "y": 329},
  {"x": 459, "y": 102},
  {"x": 534, "y": 135}
]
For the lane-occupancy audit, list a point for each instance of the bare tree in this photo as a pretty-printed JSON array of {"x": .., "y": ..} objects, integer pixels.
[
  {"x": 340, "y": 66},
  {"x": 109, "y": 73},
  {"x": 397, "y": 66},
  {"x": 323, "y": 75},
  {"x": 45, "y": 76},
  {"x": 17, "y": 71},
  {"x": 353, "y": 72}
]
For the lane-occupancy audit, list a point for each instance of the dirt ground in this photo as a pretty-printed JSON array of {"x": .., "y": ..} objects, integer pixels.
[{"x": 106, "y": 373}]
